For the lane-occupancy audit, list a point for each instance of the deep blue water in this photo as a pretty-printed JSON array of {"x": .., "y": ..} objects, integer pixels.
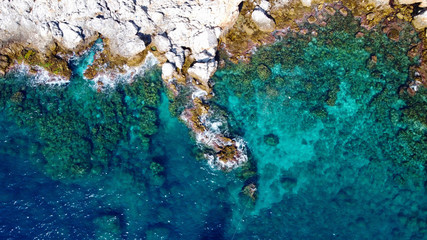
[
  {"x": 191, "y": 202},
  {"x": 339, "y": 152}
]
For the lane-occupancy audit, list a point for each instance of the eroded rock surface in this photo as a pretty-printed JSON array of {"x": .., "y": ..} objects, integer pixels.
[
  {"x": 182, "y": 34},
  {"x": 128, "y": 24}
]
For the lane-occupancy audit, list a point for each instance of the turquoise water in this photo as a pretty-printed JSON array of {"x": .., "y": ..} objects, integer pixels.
[
  {"x": 340, "y": 153},
  {"x": 125, "y": 200}
]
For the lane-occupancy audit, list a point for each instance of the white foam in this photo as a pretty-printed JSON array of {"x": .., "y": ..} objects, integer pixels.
[
  {"x": 42, "y": 76},
  {"x": 414, "y": 85},
  {"x": 111, "y": 78},
  {"x": 198, "y": 93},
  {"x": 215, "y": 126}
]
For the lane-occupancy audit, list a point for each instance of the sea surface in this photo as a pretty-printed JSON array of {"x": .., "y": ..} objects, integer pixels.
[{"x": 340, "y": 149}]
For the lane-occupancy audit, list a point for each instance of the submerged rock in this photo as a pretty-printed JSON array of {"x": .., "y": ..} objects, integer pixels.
[
  {"x": 271, "y": 139},
  {"x": 288, "y": 183},
  {"x": 263, "y": 71},
  {"x": 156, "y": 168},
  {"x": 108, "y": 227}
]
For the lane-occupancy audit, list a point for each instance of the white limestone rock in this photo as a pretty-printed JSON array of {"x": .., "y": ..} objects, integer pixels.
[
  {"x": 420, "y": 21},
  {"x": 204, "y": 40},
  {"x": 423, "y": 3},
  {"x": 168, "y": 70},
  {"x": 176, "y": 56},
  {"x": 204, "y": 56},
  {"x": 263, "y": 22},
  {"x": 162, "y": 43},
  {"x": 71, "y": 36},
  {"x": 306, "y": 3},
  {"x": 202, "y": 71},
  {"x": 265, "y": 5},
  {"x": 121, "y": 21},
  {"x": 156, "y": 17},
  {"x": 124, "y": 40}
]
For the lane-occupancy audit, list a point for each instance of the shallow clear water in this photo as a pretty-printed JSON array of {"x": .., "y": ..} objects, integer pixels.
[{"x": 340, "y": 153}]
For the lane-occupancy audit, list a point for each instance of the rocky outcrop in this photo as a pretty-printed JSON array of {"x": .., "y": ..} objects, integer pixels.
[
  {"x": 420, "y": 21},
  {"x": 128, "y": 24},
  {"x": 183, "y": 35},
  {"x": 422, "y": 3},
  {"x": 262, "y": 20}
]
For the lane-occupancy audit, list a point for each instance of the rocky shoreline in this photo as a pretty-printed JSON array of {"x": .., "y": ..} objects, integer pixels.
[{"x": 184, "y": 37}]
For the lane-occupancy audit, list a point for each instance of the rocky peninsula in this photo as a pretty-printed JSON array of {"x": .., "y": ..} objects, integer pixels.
[{"x": 184, "y": 37}]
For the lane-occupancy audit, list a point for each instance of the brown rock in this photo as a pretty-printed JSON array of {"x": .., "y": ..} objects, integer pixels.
[
  {"x": 393, "y": 34},
  {"x": 343, "y": 12},
  {"x": 330, "y": 10},
  {"x": 312, "y": 19},
  {"x": 374, "y": 59}
]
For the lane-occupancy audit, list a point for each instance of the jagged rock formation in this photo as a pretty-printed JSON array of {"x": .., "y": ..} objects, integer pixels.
[
  {"x": 128, "y": 24},
  {"x": 180, "y": 31}
]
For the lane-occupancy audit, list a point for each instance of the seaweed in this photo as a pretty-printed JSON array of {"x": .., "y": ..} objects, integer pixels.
[{"x": 80, "y": 128}]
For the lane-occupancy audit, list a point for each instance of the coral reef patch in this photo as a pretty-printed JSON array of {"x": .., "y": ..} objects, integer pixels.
[{"x": 79, "y": 129}]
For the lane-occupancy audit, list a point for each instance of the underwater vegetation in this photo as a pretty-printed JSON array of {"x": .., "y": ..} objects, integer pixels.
[
  {"x": 310, "y": 72},
  {"x": 79, "y": 130},
  {"x": 160, "y": 193},
  {"x": 340, "y": 146}
]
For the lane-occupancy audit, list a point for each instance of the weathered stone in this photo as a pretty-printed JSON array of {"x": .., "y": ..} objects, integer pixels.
[
  {"x": 3, "y": 64},
  {"x": 306, "y": 3},
  {"x": 4, "y": 61},
  {"x": 203, "y": 71},
  {"x": 263, "y": 22},
  {"x": 167, "y": 71},
  {"x": 420, "y": 21},
  {"x": 204, "y": 41},
  {"x": 162, "y": 43},
  {"x": 312, "y": 19},
  {"x": 265, "y": 5},
  {"x": 423, "y": 3},
  {"x": 71, "y": 36},
  {"x": 176, "y": 56}
]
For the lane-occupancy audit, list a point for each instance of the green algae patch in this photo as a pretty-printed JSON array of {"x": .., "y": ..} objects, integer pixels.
[
  {"x": 52, "y": 60},
  {"x": 79, "y": 129}
]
